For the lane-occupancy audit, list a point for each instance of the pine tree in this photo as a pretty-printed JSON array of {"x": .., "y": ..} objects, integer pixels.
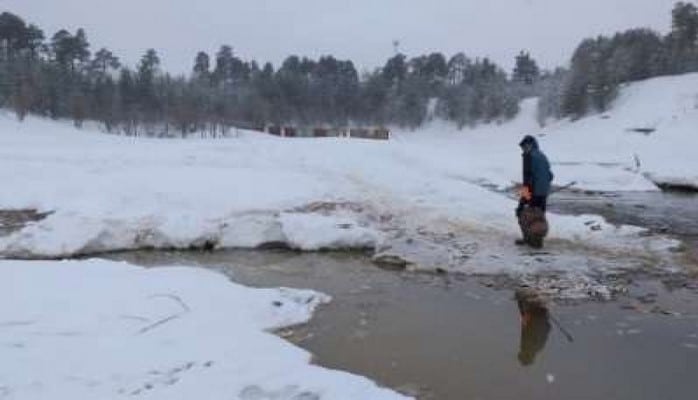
[
  {"x": 80, "y": 47},
  {"x": 395, "y": 70},
  {"x": 104, "y": 61},
  {"x": 202, "y": 66},
  {"x": 682, "y": 42},
  {"x": 551, "y": 91},
  {"x": 13, "y": 34},
  {"x": 526, "y": 70},
  {"x": 685, "y": 25},
  {"x": 34, "y": 38},
  {"x": 223, "y": 72}
]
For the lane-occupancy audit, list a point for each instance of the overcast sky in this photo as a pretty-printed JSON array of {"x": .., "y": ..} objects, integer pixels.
[{"x": 361, "y": 30}]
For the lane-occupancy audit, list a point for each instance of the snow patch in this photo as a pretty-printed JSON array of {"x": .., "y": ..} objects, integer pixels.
[
  {"x": 65, "y": 234},
  {"x": 99, "y": 329},
  {"x": 321, "y": 232}
]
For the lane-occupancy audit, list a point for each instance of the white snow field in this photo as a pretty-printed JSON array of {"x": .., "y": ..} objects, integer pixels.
[
  {"x": 103, "y": 330},
  {"x": 111, "y": 192}
]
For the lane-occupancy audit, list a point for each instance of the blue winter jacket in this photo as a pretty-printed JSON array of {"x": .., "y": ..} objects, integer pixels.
[{"x": 537, "y": 173}]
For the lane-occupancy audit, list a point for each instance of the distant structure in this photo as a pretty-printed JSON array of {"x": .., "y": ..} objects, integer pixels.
[{"x": 375, "y": 133}]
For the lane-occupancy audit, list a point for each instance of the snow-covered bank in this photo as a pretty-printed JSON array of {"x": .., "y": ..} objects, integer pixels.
[
  {"x": 104, "y": 330},
  {"x": 119, "y": 193},
  {"x": 652, "y": 128},
  {"x": 648, "y": 137}
]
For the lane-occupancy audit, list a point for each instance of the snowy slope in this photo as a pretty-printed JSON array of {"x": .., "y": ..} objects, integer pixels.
[
  {"x": 106, "y": 330},
  {"x": 655, "y": 120},
  {"x": 599, "y": 152}
]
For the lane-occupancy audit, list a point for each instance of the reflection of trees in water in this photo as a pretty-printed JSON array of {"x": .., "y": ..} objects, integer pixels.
[{"x": 535, "y": 325}]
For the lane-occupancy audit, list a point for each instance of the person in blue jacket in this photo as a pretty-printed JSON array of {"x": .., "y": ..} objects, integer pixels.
[{"x": 537, "y": 177}]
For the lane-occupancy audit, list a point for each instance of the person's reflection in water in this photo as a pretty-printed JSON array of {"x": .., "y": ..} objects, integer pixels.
[{"x": 535, "y": 325}]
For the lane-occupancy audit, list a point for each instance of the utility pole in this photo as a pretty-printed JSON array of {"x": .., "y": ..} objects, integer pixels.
[{"x": 396, "y": 46}]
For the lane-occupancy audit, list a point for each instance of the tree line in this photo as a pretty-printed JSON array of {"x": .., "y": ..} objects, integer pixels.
[
  {"x": 62, "y": 77},
  {"x": 600, "y": 65}
]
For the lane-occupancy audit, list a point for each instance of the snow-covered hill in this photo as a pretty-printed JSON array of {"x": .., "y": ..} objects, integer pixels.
[
  {"x": 649, "y": 137},
  {"x": 655, "y": 120}
]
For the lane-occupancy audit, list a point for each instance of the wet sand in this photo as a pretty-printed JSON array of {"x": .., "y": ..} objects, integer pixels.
[{"x": 446, "y": 337}]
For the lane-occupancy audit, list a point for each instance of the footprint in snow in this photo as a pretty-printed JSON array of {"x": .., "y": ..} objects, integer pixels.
[{"x": 165, "y": 378}]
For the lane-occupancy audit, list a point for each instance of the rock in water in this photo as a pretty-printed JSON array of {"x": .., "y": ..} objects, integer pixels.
[{"x": 390, "y": 261}]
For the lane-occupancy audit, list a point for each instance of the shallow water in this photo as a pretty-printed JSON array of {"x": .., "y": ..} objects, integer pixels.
[
  {"x": 441, "y": 337},
  {"x": 670, "y": 213},
  {"x": 676, "y": 213}
]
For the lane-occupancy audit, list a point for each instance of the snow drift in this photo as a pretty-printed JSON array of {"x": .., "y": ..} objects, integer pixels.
[{"x": 102, "y": 330}]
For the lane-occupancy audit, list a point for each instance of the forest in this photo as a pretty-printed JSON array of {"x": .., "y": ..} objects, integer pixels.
[{"x": 62, "y": 77}]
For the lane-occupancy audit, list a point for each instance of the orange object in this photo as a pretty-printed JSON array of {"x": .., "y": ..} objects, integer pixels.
[{"x": 525, "y": 193}]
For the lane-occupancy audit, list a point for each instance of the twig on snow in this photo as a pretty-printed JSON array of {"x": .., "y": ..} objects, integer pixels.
[{"x": 176, "y": 299}]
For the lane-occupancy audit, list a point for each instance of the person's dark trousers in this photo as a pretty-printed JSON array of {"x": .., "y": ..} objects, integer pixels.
[{"x": 539, "y": 202}]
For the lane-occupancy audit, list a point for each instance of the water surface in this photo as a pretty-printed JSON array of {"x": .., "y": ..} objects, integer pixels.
[{"x": 441, "y": 337}]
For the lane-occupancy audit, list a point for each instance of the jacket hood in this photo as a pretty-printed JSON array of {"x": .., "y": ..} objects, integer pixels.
[{"x": 528, "y": 139}]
